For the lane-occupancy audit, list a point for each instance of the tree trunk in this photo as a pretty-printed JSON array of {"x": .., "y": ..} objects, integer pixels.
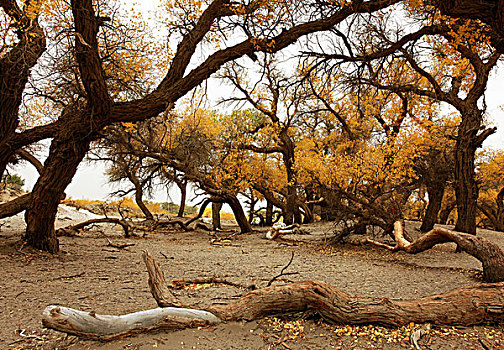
[
  {"x": 216, "y": 221},
  {"x": 59, "y": 169},
  {"x": 106, "y": 327},
  {"x": 15, "y": 66},
  {"x": 444, "y": 214},
  {"x": 139, "y": 195},
  {"x": 239, "y": 214},
  {"x": 290, "y": 205},
  {"x": 269, "y": 214},
  {"x": 436, "y": 193},
  {"x": 182, "y": 185},
  {"x": 466, "y": 189}
]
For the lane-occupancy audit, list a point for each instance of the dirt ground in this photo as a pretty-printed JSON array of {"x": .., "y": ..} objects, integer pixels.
[{"x": 91, "y": 275}]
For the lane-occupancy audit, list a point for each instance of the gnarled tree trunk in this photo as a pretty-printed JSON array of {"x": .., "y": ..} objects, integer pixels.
[
  {"x": 436, "y": 193},
  {"x": 239, "y": 214},
  {"x": 216, "y": 222},
  {"x": 60, "y": 167},
  {"x": 466, "y": 189}
]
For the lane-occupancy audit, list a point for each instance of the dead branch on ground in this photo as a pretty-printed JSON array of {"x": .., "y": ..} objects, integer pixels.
[
  {"x": 489, "y": 253},
  {"x": 481, "y": 303}
]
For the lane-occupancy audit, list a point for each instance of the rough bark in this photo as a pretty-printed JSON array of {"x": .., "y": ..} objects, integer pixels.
[
  {"x": 479, "y": 304},
  {"x": 436, "y": 193},
  {"x": 216, "y": 221},
  {"x": 489, "y": 253},
  {"x": 157, "y": 284},
  {"x": 466, "y": 188},
  {"x": 239, "y": 214},
  {"x": 15, "y": 206},
  {"x": 60, "y": 167}
]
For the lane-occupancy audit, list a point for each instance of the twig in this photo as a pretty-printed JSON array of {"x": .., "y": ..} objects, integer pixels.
[
  {"x": 180, "y": 284},
  {"x": 485, "y": 346},
  {"x": 67, "y": 277},
  {"x": 119, "y": 245},
  {"x": 282, "y": 272}
]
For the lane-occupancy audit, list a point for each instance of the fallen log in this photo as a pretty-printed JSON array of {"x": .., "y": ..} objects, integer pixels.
[
  {"x": 278, "y": 231},
  {"x": 482, "y": 303},
  {"x": 15, "y": 206},
  {"x": 109, "y": 327},
  {"x": 489, "y": 253},
  {"x": 74, "y": 229},
  {"x": 478, "y": 304}
]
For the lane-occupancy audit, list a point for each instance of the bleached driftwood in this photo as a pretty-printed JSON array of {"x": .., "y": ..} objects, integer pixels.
[
  {"x": 278, "y": 231},
  {"x": 107, "y": 327}
]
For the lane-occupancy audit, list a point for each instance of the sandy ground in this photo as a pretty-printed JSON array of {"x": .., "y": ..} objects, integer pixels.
[{"x": 91, "y": 275}]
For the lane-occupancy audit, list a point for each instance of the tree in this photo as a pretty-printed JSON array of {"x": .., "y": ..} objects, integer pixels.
[
  {"x": 274, "y": 130},
  {"x": 459, "y": 47},
  {"x": 24, "y": 42},
  {"x": 190, "y": 146},
  {"x": 490, "y": 176},
  {"x": 488, "y": 12},
  {"x": 81, "y": 124}
]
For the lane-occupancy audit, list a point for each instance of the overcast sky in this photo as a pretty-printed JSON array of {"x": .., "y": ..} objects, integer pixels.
[{"x": 90, "y": 182}]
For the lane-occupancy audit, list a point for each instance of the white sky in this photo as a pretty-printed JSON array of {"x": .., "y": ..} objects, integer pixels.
[{"x": 90, "y": 182}]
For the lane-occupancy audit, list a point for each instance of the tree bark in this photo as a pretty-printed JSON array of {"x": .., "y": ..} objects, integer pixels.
[
  {"x": 239, "y": 214},
  {"x": 216, "y": 221},
  {"x": 479, "y": 304},
  {"x": 139, "y": 194},
  {"x": 466, "y": 189},
  {"x": 15, "y": 206},
  {"x": 435, "y": 192},
  {"x": 157, "y": 284},
  {"x": 15, "y": 66},
  {"x": 64, "y": 157},
  {"x": 269, "y": 214},
  {"x": 182, "y": 185}
]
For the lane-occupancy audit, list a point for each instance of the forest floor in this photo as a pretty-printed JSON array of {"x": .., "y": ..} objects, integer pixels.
[{"x": 90, "y": 274}]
